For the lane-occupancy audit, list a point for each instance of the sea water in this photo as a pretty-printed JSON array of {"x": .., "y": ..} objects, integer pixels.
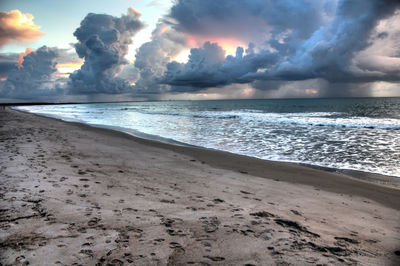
[{"x": 354, "y": 133}]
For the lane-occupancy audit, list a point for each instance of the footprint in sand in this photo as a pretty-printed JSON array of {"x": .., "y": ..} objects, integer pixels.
[
  {"x": 210, "y": 224},
  {"x": 214, "y": 258},
  {"x": 218, "y": 201},
  {"x": 175, "y": 245},
  {"x": 88, "y": 252},
  {"x": 117, "y": 212}
]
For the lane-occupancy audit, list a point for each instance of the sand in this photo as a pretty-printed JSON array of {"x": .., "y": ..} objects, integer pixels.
[{"x": 76, "y": 195}]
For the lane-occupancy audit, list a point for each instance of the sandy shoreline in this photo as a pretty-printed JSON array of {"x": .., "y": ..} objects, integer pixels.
[
  {"x": 380, "y": 179},
  {"x": 76, "y": 194}
]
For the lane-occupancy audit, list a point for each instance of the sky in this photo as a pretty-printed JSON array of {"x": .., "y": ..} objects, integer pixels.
[{"x": 63, "y": 51}]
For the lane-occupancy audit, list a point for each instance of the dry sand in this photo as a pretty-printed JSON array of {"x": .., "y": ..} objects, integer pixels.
[{"x": 76, "y": 195}]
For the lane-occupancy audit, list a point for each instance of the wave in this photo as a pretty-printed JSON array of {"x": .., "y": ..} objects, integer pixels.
[
  {"x": 320, "y": 119},
  {"x": 332, "y": 119},
  {"x": 192, "y": 114}
]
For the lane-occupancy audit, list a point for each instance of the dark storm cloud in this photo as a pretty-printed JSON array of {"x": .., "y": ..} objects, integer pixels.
[
  {"x": 208, "y": 67},
  {"x": 8, "y": 63},
  {"x": 103, "y": 44},
  {"x": 34, "y": 78},
  {"x": 250, "y": 20},
  {"x": 307, "y": 40},
  {"x": 328, "y": 52},
  {"x": 203, "y": 62}
]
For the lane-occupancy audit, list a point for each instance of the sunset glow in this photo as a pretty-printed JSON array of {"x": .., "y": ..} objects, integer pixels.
[
  {"x": 311, "y": 91},
  {"x": 228, "y": 44},
  {"x": 247, "y": 91},
  {"x": 68, "y": 67}
]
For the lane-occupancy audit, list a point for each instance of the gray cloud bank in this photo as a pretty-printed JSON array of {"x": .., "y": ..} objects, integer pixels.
[
  {"x": 332, "y": 46},
  {"x": 296, "y": 50},
  {"x": 35, "y": 78}
]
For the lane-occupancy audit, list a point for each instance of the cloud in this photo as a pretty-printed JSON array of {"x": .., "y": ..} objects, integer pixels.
[
  {"x": 203, "y": 62},
  {"x": 21, "y": 56},
  {"x": 208, "y": 67},
  {"x": 152, "y": 58},
  {"x": 303, "y": 40},
  {"x": 103, "y": 44},
  {"x": 40, "y": 74},
  {"x": 8, "y": 63},
  {"x": 250, "y": 21},
  {"x": 382, "y": 56},
  {"x": 17, "y": 26},
  {"x": 35, "y": 78},
  {"x": 328, "y": 53},
  {"x": 245, "y": 48}
]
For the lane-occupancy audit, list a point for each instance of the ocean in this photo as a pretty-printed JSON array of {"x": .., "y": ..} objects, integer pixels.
[{"x": 360, "y": 134}]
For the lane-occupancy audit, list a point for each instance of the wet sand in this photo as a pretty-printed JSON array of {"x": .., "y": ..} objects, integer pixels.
[{"x": 76, "y": 195}]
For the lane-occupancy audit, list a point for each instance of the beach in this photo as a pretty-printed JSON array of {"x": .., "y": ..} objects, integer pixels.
[{"x": 72, "y": 194}]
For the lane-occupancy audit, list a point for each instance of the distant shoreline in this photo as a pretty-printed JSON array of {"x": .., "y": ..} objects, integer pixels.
[{"x": 60, "y": 103}]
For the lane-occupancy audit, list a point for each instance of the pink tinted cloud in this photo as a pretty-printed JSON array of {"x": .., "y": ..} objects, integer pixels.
[
  {"x": 21, "y": 56},
  {"x": 17, "y": 26}
]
